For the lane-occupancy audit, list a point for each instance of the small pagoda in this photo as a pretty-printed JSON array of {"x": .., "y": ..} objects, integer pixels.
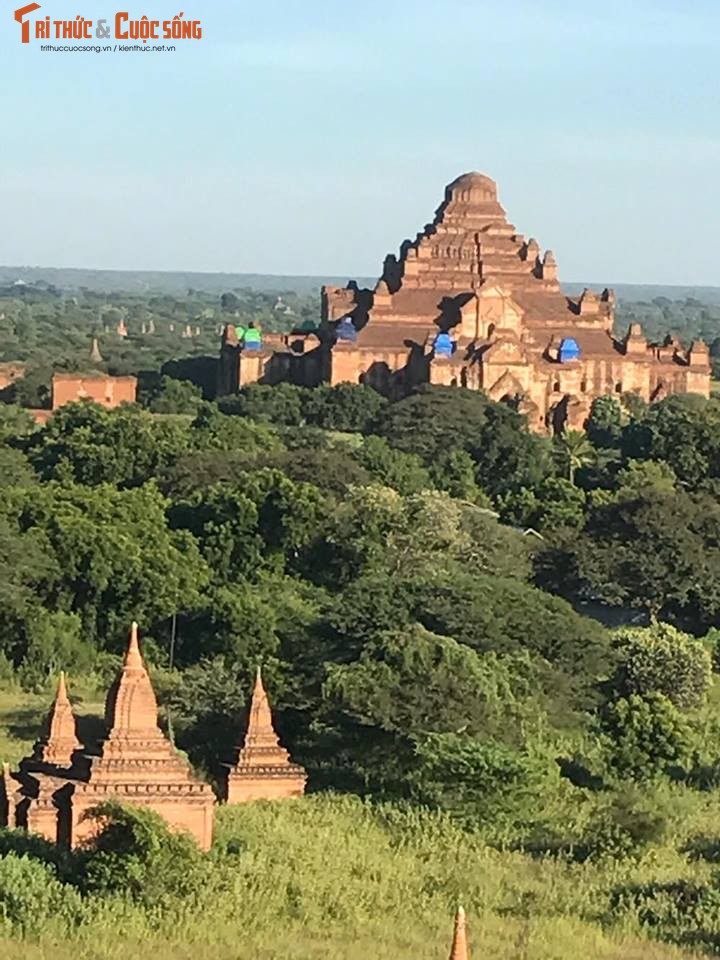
[
  {"x": 53, "y": 789},
  {"x": 459, "y": 949},
  {"x": 263, "y": 770}
]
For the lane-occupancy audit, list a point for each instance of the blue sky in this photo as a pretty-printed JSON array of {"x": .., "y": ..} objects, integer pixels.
[{"x": 314, "y": 137}]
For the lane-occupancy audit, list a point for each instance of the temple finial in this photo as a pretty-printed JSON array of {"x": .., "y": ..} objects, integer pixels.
[
  {"x": 61, "y": 696},
  {"x": 132, "y": 655},
  {"x": 459, "y": 949}
]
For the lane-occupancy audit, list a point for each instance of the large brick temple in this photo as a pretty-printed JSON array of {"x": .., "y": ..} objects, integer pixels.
[{"x": 471, "y": 302}]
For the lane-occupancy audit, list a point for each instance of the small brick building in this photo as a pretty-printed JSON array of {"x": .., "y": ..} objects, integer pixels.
[{"x": 100, "y": 388}]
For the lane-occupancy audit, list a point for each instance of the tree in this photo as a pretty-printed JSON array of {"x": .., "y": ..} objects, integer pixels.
[
  {"x": 574, "y": 451},
  {"x": 176, "y": 396},
  {"x": 661, "y": 659},
  {"x": 646, "y": 736},
  {"x": 437, "y": 419},
  {"x": 91, "y": 445},
  {"x": 682, "y": 430},
  {"x": 111, "y": 557},
  {"x": 658, "y": 552},
  {"x": 345, "y": 406},
  {"x": 645, "y": 478},
  {"x": 403, "y": 472},
  {"x": 604, "y": 426}
]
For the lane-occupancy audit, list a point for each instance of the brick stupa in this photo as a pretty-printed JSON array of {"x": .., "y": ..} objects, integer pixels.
[
  {"x": 459, "y": 950},
  {"x": 136, "y": 764},
  {"x": 263, "y": 770}
]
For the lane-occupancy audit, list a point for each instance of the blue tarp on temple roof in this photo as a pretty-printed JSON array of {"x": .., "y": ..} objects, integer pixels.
[
  {"x": 443, "y": 345},
  {"x": 569, "y": 350},
  {"x": 346, "y": 329}
]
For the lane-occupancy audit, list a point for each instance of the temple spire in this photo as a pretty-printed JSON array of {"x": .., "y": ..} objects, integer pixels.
[
  {"x": 95, "y": 355},
  {"x": 59, "y": 740},
  {"x": 459, "y": 949},
  {"x": 261, "y": 741},
  {"x": 133, "y": 659},
  {"x": 264, "y": 769},
  {"x": 131, "y": 710}
]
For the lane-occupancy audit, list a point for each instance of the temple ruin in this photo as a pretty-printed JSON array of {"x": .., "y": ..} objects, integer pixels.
[{"x": 471, "y": 302}]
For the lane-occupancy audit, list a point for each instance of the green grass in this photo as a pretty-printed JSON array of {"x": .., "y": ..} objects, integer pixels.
[{"x": 331, "y": 878}]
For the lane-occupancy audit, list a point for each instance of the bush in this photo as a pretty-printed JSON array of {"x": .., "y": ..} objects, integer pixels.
[
  {"x": 661, "y": 659},
  {"x": 31, "y": 897}
]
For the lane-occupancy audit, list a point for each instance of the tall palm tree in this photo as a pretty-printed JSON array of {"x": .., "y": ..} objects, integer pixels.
[{"x": 575, "y": 450}]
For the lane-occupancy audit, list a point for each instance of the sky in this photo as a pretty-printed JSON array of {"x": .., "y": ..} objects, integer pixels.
[{"x": 313, "y": 137}]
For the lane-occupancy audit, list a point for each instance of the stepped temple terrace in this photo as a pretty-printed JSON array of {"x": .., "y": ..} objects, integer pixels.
[
  {"x": 63, "y": 779},
  {"x": 471, "y": 302}
]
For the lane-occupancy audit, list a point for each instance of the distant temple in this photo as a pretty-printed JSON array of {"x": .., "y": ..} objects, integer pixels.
[
  {"x": 263, "y": 770},
  {"x": 99, "y": 387},
  {"x": 135, "y": 764},
  {"x": 471, "y": 302}
]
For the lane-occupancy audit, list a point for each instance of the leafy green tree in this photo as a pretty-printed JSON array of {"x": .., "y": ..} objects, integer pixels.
[
  {"x": 213, "y": 430},
  {"x": 574, "y": 451},
  {"x": 176, "y": 396},
  {"x": 454, "y": 472},
  {"x": 345, "y": 406},
  {"x": 604, "y": 426},
  {"x": 91, "y": 445},
  {"x": 437, "y": 419},
  {"x": 111, "y": 556},
  {"x": 282, "y": 403},
  {"x": 656, "y": 552},
  {"x": 14, "y": 421},
  {"x": 137, "y": 856},
  {"x": 54, "y": 642},
  {"x": 645, "y": 478},
  {"x": 403, "y": 472},
  {"x": 647, "y": 736},
  {"x": 682, "y": 430},
  {"x": 661, "y": 659},
  {"x": 15, "y": 469},
  {"x": 405, "y": 684}
]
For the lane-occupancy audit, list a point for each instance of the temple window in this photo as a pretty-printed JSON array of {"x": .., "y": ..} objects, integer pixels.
[
  {"x": 556, "y": 386},
  {"x": 618, "y": 388},
  {"x": 583, "y": 386}
]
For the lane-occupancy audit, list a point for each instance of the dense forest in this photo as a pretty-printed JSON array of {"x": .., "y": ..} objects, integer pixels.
[{"x": 496, "y": 653}]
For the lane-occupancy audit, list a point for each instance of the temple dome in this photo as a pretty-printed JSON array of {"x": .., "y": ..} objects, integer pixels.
[{"x": 472, "y": 187}]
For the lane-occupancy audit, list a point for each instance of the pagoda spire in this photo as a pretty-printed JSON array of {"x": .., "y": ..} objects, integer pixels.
[
  {"x": 264, "y": 769},
  {"x": 262, "y": 744},
  {"x": 131, "y": 710},
  {"x": 459, "y": 949},
  {"x": 59, "y": 740},
  {"x": 95, "y": 355}
]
